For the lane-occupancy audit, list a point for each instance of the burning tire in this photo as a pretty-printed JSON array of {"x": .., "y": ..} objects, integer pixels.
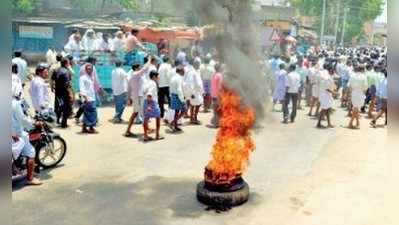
[{"x": 222, "y": 198}]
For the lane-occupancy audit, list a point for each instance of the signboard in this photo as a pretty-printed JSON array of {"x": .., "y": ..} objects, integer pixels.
[
  {"x": 328, "y": 40},
  {"x": 278, "y": 24},
  {"x": 38, "y": 32}
]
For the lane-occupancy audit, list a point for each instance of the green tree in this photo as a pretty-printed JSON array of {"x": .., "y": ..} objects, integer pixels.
[
  {"x": 358, "y": 13},
  {"x": 89, "y": 5},
  {"x": 23, "y": 6}
]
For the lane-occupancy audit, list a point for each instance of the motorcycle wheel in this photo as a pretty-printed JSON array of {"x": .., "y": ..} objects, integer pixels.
[{"x": 51, "y": 155}]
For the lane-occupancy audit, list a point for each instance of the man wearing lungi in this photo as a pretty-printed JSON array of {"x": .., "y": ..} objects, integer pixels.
[{"x": 87, "y": 91}]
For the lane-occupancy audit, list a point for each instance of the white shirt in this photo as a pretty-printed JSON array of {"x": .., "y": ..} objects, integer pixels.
[
  {"x": 181, "y": 56},
  {"x": 89, "y": 44},
  {"x": 188, "y": 82},
  {"x": 119, "y": 81},
  {"x": 293, "y": 82},
  {"x": 117, "y": 44},
  {"x": 73, "y": 47},
  {"x": 313, "y": 74},
  {"x": 86, "y": 85},
  {"x": 197, "y": 85},
  {"x": 51, "y": 57},
  {"x": 39, "y": 93},
  {"x": 176, "y": 86},
  {"x": 151, "y": 67},
  {"x": 207, "y": 70},
  {"x": 102, "y": 46},
  {"x": 326, "y": 83},
  {"x": 165, "y": 72},
  {"x": 22, "y": 68},
  {"x": 16, "y": 85},
  {"x": 358, "y": 82},
  {"x": 152, "y": 90}
]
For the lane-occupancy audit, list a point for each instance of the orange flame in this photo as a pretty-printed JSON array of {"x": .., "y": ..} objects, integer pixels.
[{"x": 230, "y": 154}]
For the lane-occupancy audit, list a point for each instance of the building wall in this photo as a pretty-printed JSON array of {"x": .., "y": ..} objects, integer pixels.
[{"x": 39, "y": 45}]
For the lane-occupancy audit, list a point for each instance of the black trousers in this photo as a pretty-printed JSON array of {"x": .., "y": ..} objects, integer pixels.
[
  {"x": 288, "y": 98},
  {"x": 63, "y": 109},
  {"x": 80, "y": 111},
  {"x": 163, "y": 94}
]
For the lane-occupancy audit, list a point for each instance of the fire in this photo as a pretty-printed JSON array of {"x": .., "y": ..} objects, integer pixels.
[{"x": 230, "y": 154}]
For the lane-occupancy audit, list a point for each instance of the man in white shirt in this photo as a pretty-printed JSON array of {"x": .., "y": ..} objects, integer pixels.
[
  {"x": 119, "y": 90},
  {"x": 326, "y": 93},
  {"x": 206, "y": 71},
  {"x": 118, "y": 43},
  {"x": 181, "y": 56},
  {"x": 165, "y": 72},
  {"x": 151, "y": 67},
  {"x": 89, "y": 41},
  {"x": 197, "y": 91},
  {"x": 358, "y": 85},
  {"x": 50, "y": 56},
  {"x": 314, "y": 81},
  {"x": 15, "y": 81},
  {"x": 292, "y": 84},
  {"x": 74, "y": 47},
  {"x": 39, "y": 89},
  {"x": 177, "y": 98},
  {"x": 103, "y": 42},
  {"x": 22, "y": 66},
  {"x": 135, "y": 90},
  {"x": 19, "y": 123},
  {"x": 86, "y": 85},
  {"x": 151, "y": 107}
]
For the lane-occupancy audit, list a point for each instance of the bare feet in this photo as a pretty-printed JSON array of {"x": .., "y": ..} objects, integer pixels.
[{"x": 34, "y": 182}]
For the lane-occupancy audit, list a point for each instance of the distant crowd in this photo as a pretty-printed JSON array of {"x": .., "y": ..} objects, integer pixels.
[{"x": 358, "y": 76}]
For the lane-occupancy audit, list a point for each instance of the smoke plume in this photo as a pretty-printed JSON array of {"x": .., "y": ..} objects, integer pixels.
[{"x": 239, "y": 49}]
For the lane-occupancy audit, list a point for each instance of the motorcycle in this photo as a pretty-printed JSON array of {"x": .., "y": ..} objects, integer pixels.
[{"x": 50, "y": 147}]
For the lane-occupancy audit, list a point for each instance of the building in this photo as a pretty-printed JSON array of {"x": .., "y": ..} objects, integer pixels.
[
  {"x": 376, "y": 33},
  {"x": 276, "y": 20}
]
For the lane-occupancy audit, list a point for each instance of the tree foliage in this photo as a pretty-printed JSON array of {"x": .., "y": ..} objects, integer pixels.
[
  {"x": 89, "y": 5},
  {"x": 358, "y": 13},
  {"x": 23, "y": 6}
]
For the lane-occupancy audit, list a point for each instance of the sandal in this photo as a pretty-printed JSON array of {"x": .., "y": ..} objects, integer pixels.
[
  {"x": 130, "y": 135},
  {"x": 148, "y": 139},
  {"x": 195, "y": 122},
  {"x": 159, "y": 138}
]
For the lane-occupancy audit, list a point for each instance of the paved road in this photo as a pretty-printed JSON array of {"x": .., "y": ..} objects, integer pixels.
[{"x": 298, "y": 175}]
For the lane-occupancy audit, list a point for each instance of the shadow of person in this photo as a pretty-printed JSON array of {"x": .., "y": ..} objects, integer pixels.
[{"x": 45, "y": 174}]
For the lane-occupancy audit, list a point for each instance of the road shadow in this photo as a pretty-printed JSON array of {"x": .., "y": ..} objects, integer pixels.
[{"x": 150, "y": 201}]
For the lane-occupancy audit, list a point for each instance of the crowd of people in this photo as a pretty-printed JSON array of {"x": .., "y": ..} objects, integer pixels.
[
  {"x": 189, "y": 80},
  {"x": 184, "y": 82},
  {"x": 358, "y": 76},
  {"x": 91, "y": 43}
]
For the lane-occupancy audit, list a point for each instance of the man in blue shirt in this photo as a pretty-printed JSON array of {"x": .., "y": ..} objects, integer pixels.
[
  {"x": 382, "y": 93},
  {"x": 275, "y": 63}
]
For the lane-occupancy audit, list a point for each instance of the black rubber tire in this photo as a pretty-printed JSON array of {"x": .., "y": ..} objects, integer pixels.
[
  {"x": 58, "y": 161},
  {"x": 226, "y": 199}
]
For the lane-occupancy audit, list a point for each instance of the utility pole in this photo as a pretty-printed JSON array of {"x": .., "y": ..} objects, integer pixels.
[
  {"x": 344, "y": 26},
  {"x": 337, "y": 22},
  {"x": 323, "y": 20}
]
